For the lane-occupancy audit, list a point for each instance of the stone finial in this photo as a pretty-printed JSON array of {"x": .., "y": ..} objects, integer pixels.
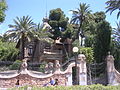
[
  {"x": 49, "y": 68},
  {"x": 23, "y": 67},
  {"x": 81, "y": 57},
  {"x": 24, "y": 64},
  {"x": 56, "y": 67},
  {"x": 108, "y": 52},
  {"x": 57, "y": 64},
  {"x": 109, "y": 57}
]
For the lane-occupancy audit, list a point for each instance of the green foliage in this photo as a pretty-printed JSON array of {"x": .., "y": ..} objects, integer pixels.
[
  {"x": 58, "y": 22},
  {"x": 8, "y": 52},
  {"x": 80, "y": 17},
  {"x": 21, "y": 31},
  {"x": 99, "y": 16},
  {"x": 3, "y": 8},
  {"x": 42, "y": 67},
  {"x": 76, "y": 43},
  {"x": 20, "y": 88},
  {"x": 76, "y": 87},
  {"x": 69, "y": 32},
  {"x": 113, "y": 5},
  {"x": 88, "y": 52},
  {"x": 16, "y": 65},
  {"x": 102, "y": 41},
  {"x": 115, "y": 51},
  {"x": 116, "y": 33},
  {"x": 89, "y": 41}
]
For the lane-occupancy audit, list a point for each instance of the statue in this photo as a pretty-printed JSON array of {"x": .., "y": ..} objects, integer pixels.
[
  {"x": 23, "y": 66},
  {"x": 57, "y": 65},
  {"x": 110, "y": 63},
  {"x": 111, "y": 70},
  {"x": 49, "y": 68}
]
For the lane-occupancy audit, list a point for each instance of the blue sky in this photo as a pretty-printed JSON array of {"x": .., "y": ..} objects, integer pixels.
[{"x": 37, "y": 9}]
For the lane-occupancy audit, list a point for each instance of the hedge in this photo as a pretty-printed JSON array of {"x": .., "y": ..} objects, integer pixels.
[{"x": 75, "y": 87}]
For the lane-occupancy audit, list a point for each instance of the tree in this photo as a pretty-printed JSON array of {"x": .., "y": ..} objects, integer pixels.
[
  {"x": 8, "y": 52},
  {"x": 103, "y": 40},
  {"x": 116, "y": 33},
  {"x": 69, "y": 32},
  {"x": 113, "y": 5},
  {"x": 40, "y": 34},
  {"x": 115, "y": 45},
  {"x": 92, "y": 28},
  {"x": 3, "y": 8},
  {"x": 58, "y": 22},
  {"x": 80, "y": 16},
  {"x": 99, "y": 16},
  {"x": 22, "y": 31}
]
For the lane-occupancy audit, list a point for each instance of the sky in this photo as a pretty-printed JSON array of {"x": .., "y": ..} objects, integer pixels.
[{"x": 37, "y": 10}]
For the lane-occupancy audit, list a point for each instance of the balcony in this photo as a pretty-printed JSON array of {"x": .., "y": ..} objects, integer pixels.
[{"x": 49, "y": 54}]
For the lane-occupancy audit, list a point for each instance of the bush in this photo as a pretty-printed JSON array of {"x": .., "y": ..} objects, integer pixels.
[
  {"x": 42, "y": 67},
  {"x": 88, "y": 52},
  {"x": 76, "y": 87},
  {"x": 8, "y": 52},
  {"x": 15, "y": 65}
]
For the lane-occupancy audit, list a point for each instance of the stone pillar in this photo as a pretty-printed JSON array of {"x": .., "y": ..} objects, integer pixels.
[
  {"x": 111, "y": 70},
  {"x": 23, "y": 67},
  {"x": 56, "y": 67},
  {"x": 82, "y": 69},
  {"x": 69, "y": 79}
]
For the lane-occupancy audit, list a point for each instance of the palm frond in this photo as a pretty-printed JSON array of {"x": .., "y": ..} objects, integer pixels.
[{"x": 113, "y": 5}]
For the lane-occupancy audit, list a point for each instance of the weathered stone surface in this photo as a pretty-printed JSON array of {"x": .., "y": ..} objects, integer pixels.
[
  {"x": 31, "y": 81},
  {"x": 33, "y": 78}
]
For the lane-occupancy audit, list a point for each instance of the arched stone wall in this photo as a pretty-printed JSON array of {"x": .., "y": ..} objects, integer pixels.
[{"x": 26, "y": 77}]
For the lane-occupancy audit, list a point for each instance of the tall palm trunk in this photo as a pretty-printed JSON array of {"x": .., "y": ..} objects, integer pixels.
[
  {"x": 80, "y": 30},
  {"x": 34, "y": 49},
  {"x": 22, "y": 47}
]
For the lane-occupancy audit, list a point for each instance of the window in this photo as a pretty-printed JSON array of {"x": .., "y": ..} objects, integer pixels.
[{"x": 30, "y": 50}]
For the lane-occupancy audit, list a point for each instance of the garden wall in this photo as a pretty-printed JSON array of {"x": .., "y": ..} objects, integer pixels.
[{"x": 25, "y": 79}]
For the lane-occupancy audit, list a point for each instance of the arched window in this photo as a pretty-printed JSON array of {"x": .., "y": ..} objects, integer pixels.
[{"x": 30, "y": 50}]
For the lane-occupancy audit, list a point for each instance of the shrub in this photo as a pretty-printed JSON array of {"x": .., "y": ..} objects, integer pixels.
[
  {"x": 8, "y": 52},
  {"x": 15, "y": 65},
  {"x": 76, "y": 87},
  {"x": 42, "y": 67},
  {"x": 88, "y": 52}
]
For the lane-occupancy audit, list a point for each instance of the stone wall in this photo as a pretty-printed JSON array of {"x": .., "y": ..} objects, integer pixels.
[
  {"x": 25, "y": 79},
  {"x": 33, "y": 78}
]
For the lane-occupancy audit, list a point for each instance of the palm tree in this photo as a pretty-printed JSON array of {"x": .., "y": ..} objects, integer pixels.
[
  {"x": 21, "y": 31},
  {"x": 81, "y": 15},
  {"x": 113, "y": 5},
  {"x": 116, "y": 33},
  {"x": 42, "y": 34}
]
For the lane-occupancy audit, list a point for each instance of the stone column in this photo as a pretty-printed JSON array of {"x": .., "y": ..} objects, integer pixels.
[
  {"x": 82, "y": 69},
  {"x": 56, "y": 67},
  {"x": 23, "y": 68},
  {"x": 111, "y": 70},
  {"x": 69, "y": 79}
]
